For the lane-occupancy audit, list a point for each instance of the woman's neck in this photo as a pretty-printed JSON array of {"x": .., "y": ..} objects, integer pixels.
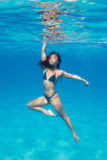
[{"x": 52, "y": 67}]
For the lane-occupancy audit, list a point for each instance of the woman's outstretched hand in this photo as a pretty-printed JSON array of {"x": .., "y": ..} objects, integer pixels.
[
  {"x": 45, "y": 39},
  {"x": 87, "y": 83}
]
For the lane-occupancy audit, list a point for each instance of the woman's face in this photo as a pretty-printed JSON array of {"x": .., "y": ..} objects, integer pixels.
[{"x": 53, "y": 60}]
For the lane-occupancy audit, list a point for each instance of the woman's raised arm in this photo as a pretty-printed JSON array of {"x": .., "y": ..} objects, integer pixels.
[{"x": 43, "y": 56}]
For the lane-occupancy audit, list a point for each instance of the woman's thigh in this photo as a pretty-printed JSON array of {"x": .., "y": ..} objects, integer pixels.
[
  {"x": 38, "y": 102},
  {"x": 56, "y": 103}
]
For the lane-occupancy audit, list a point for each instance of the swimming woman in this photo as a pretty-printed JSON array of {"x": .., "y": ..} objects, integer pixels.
[{"x": 51, "y": 73}]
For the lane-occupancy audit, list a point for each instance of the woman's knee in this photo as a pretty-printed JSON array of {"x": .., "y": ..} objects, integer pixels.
[
  {"x": 29, "y": 105},
  {"x": 32, "y": 104}
]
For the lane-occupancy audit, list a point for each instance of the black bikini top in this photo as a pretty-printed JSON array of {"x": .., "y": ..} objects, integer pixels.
[{"x": 51, "y": 79}]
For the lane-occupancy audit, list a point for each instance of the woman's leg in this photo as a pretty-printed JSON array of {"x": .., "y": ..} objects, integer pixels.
[
  {"x": 37, "y": 105},
  {"x": 56, "y": 103}
]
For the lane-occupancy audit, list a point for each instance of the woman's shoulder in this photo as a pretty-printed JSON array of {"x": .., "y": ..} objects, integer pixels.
[{"x": 59, "y": 72}]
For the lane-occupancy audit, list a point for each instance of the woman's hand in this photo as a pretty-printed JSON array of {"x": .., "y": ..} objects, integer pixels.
[
  {"x": 87, "y": 83},
  {"x": 45, "y": 40}
]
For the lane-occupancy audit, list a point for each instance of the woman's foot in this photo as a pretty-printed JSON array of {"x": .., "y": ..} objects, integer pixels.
[
  {"x": 76, "y": 138},
  {"x": 50, "y": 113}
]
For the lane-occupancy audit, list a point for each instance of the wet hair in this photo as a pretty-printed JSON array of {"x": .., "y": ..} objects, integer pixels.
[{"x": 46, "y": 64}]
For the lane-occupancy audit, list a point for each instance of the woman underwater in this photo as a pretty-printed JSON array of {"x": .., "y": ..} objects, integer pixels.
[{"x": 51, "y": 73}]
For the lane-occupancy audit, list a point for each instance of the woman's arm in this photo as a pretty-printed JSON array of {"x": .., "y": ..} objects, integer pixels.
[
  {"x": 65, "y": 74},
  {"x": 43, "y": 56}
]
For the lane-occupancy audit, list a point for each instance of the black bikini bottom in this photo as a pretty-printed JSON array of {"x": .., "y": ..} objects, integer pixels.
[{"x": 48, "y": 98}]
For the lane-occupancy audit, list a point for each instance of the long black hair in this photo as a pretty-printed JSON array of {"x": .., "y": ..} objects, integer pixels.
[{"x": 46, "y": 64}]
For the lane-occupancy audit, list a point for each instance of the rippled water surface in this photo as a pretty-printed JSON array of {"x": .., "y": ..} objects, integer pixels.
[{"x": 75, "y": 21}]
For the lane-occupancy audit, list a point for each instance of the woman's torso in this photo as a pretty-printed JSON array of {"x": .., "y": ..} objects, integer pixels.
[{"x": 49, "y": 80}]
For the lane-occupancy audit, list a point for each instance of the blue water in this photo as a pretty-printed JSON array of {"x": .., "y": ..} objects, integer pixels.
[{"x": 26, "y": 134}]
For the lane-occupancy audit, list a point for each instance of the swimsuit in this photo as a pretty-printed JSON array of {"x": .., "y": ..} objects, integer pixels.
[
  {"x": 48, "y": 98},
  {"x": 51, "y": 79}
]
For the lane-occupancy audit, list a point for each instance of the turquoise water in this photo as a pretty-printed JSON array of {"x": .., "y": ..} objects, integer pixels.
[{"x": 26, "y": 134}]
